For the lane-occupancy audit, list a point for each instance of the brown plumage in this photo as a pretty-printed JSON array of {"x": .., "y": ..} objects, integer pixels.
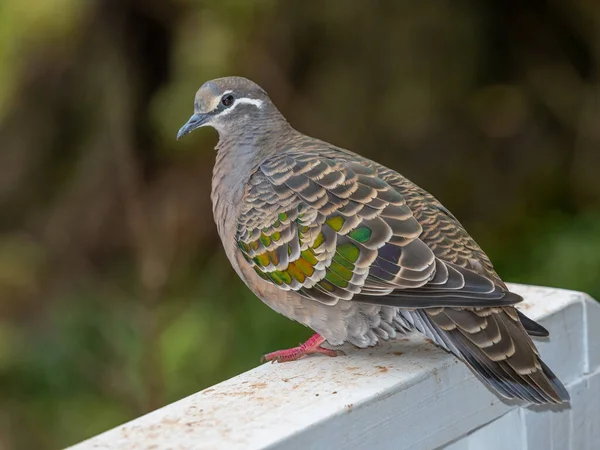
[{"x": 356, "y": 251}]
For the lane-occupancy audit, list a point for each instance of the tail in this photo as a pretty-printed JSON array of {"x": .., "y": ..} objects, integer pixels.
[{"x": 496, "y": 346}]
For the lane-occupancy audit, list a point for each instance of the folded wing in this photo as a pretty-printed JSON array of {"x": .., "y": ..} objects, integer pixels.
[{"x": 332, "y": 229}]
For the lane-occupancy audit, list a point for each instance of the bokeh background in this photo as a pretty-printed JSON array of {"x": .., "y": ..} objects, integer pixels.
[{"x": 115, "y": 296}]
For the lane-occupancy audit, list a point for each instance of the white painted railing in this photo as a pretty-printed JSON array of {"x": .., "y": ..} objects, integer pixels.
[{"x": 401, "y": 395}]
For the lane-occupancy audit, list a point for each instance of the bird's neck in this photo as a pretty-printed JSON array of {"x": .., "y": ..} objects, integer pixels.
[{"x": 243, "y": 147}]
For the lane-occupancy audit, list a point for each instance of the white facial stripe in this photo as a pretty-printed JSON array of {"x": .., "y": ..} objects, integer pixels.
[
  {"x": 249, "y": 101},
  {"x": 238, "y": 101}
]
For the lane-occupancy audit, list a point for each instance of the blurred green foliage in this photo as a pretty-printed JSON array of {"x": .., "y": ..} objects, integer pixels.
[{"x": 115, "y": 296}]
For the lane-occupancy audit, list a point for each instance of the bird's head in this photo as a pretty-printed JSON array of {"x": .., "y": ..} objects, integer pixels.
[{"x": 229, "y": 105}]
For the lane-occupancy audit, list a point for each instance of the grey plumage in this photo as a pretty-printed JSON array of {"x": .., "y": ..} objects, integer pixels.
[{"x": 354, "y": 250}]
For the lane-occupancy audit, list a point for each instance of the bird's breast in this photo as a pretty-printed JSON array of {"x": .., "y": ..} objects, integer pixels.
[{"x": 229, "y": 180}]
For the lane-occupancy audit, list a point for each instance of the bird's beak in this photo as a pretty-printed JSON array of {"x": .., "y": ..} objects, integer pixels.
[{"x": 197, "y": 120}]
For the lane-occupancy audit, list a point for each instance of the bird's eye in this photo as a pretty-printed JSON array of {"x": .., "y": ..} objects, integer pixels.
[{"x": 227, "y": 100}]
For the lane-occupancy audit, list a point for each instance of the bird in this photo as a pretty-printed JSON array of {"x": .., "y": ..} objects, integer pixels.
[{"x": 354, "y": 250}]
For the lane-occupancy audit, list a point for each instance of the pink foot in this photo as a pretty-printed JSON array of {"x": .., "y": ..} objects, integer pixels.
[{"x": 313, "y": 345}]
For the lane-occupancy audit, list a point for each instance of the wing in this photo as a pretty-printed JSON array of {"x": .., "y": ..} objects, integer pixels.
[
  {"x": 330, "y": 228},
  {"x": 442, "y": 232}
]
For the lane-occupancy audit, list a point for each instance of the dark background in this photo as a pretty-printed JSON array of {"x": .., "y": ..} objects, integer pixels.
[{"x": 115, "y": 295}]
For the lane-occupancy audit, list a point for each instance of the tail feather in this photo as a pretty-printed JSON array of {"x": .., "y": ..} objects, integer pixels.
[
  {"x": 495, "y": 344},
  {"x": 503, "y": 382},
  {"x": 533, "y": 328},
  {"x": 556, "y": 383}
]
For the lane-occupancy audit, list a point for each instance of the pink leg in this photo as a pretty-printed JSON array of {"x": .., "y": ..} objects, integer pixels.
[{"x": 313, "y": 345}]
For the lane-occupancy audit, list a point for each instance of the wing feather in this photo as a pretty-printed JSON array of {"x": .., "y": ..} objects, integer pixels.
[{"x": 333, "y": 228}]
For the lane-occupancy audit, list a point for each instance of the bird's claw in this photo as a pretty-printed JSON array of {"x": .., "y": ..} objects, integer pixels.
[{"x": 313, "y": 345}]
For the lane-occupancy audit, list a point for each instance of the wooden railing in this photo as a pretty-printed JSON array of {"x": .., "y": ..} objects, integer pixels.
[{"x": 406, "y": 394}]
